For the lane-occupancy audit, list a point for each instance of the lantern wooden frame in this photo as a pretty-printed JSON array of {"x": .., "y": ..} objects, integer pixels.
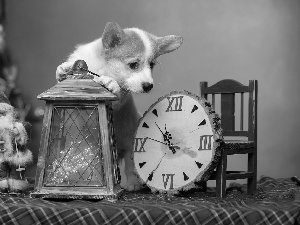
[{"x": 72, "y": 93}]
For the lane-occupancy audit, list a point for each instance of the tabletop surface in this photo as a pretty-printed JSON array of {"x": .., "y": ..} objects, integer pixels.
[{"x": 277, "y": 201}]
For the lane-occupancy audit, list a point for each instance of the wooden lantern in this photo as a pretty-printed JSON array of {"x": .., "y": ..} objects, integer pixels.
[{"x": 77, "y": 158}]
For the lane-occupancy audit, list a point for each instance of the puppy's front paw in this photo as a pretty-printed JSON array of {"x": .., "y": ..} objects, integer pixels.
[
  {"x": 109, "y": 83},
  {"x": 132, "y": 184},
  {"x": 63, "y": 70}
]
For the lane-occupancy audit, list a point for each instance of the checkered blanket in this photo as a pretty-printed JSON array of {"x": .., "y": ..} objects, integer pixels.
[{"x": 277, "y": 201}]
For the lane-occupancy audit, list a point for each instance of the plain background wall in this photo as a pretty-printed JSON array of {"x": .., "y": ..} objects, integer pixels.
[{"x": 237, "y": 39}]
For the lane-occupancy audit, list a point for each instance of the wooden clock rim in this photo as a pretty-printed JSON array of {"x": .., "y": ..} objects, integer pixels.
[{"x": 218, "y": 137}]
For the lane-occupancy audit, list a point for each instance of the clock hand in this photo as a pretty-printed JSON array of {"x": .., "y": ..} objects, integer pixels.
[
  {"x": 165, "y": 135},
  {"x": 195, "y": 130},
  {"x": 168, "y": 135},
  {"x": 151, "y": 174},
  {"x": 172, "y": 148},
  {"x": 159, "y": 129},
  {"x": 199, "y": 126},
  {"x": 189, "y": 152},
  {"x": 176, "y": 147}
]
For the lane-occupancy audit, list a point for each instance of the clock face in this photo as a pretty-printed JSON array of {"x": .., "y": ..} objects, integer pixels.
[{"x": 176, "y": 142}]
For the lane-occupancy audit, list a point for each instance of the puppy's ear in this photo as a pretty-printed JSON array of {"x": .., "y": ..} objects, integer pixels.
[
  {"x": 168, "y": 44},
  {"x": 113, "y": 35}
]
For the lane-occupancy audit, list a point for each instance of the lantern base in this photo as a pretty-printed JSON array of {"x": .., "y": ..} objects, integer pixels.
[{"x": 76, "y": 193}]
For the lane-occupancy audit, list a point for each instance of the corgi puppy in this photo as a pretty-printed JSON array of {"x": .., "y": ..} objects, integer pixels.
[{"x": 125, "y": 58}]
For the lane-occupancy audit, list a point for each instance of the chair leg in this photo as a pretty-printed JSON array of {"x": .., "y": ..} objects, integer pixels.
[
  {"x": 252, "y": 167},
  {"x": 221, "y": 176},
  {"x": 204, "y": 186}
]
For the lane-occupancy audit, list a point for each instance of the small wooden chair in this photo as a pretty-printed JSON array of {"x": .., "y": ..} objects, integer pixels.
[{"x": 228, "y": 90}]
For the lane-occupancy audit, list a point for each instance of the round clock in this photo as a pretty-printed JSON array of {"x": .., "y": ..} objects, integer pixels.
[{"x": 177, "y": 143}]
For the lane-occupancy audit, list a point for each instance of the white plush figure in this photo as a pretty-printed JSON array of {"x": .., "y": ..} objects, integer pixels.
[{"x": 14, "y": 155}]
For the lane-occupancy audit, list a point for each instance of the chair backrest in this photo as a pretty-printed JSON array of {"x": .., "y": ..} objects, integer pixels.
[{"x": 228, "y": 90}]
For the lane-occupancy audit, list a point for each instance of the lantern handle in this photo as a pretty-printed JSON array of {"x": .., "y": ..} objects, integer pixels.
[
  {"x": 80, "y": 68},
  {"x": 80, "y": 65}
]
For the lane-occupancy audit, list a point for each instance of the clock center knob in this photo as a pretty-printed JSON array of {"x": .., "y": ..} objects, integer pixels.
[{"x": 177, "y": 142}]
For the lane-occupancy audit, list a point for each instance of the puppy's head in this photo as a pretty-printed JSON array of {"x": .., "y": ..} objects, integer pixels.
[{"x": 131, "y": 54}]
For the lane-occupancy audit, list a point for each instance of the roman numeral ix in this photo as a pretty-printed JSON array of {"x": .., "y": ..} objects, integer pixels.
[
  {"x": 139, "y": 144},
  {"x": 175, "y": 104}
]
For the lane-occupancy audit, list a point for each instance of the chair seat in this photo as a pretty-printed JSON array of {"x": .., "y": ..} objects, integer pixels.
[
  {"x": 233, "y": 175},
  {"x": 237, "y": 144}
]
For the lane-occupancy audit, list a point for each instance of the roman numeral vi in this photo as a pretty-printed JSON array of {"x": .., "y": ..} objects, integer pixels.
[{"x": 166, "y": 181}]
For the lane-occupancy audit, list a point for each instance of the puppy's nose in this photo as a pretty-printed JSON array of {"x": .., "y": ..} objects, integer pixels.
[{"x": 147, "y": 86}]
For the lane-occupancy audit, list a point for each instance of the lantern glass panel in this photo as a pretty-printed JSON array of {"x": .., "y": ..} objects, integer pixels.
[{"x": 74, "y": 155}]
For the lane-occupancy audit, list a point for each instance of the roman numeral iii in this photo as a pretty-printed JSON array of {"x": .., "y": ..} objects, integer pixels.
[
  {"x": 205, "y": 142},
  {"x": 139, "y": 144},
  {"x": 175, "y": 104}
]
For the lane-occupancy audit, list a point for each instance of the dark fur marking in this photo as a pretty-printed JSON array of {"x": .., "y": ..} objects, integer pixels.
[{"x": 131, "y": 46}]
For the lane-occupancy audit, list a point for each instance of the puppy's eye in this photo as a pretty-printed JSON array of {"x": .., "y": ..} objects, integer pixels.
[
  {"x": 152, "y": 64},
  {"x": 134, "y": 65}
]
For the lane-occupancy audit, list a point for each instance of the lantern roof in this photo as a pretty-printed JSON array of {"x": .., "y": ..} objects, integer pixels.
[{"x": 77, "y": 89}]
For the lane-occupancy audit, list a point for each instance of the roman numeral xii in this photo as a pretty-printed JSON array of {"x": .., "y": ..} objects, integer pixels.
[{"x": 175, "y": 104}]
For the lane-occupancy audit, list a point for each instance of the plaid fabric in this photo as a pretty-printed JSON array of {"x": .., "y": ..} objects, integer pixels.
[{"x": 277, "y": 201}]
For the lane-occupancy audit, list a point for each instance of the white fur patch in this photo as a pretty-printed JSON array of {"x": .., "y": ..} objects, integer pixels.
[
  {"x": 16, "y": 185},
  {"x": 20, "y": 133},
  {"x": 3, "y": 184},
  {"x": 146, "y": 41},
  {"x": 21, "y": 158}
]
